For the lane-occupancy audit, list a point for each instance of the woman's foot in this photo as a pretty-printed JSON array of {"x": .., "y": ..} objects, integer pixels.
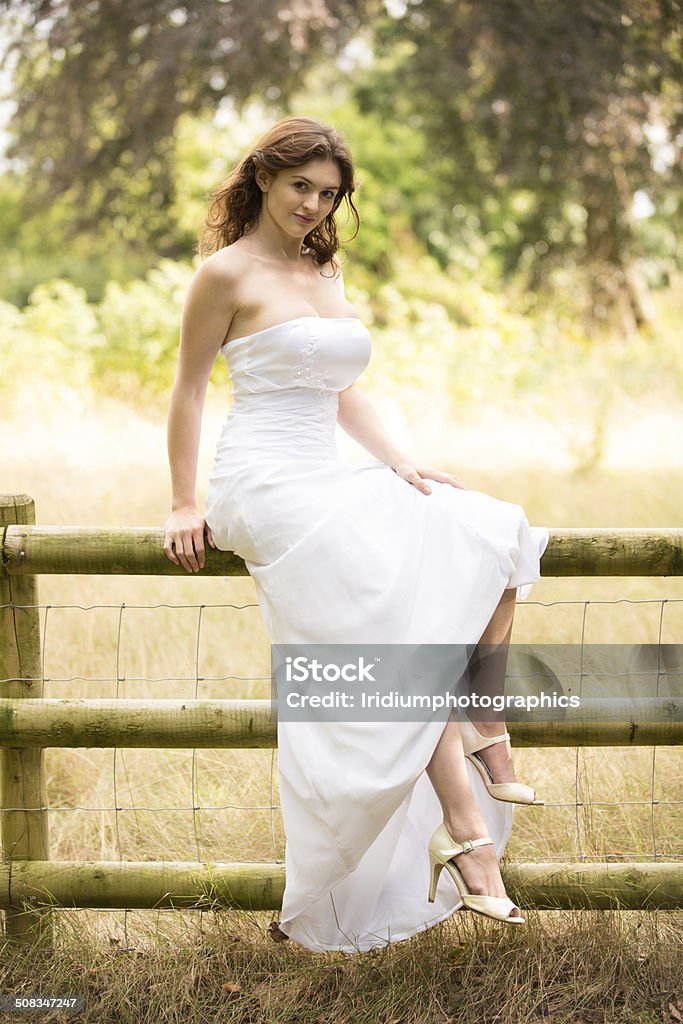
[
  {"x": 492, "y": 757},
  {"x": 479, "y": 867},
  {"x": 497, "y": 757}
]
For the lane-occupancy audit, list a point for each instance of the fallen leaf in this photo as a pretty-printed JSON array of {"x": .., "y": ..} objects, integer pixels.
[
  {"x": 275, "y": 934},
  {"x": 458, "y": 950}
]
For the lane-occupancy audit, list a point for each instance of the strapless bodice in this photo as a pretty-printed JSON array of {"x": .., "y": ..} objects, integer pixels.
[
  {"x": 323, "y": 353},
  {"x": 286, "y": 381}
]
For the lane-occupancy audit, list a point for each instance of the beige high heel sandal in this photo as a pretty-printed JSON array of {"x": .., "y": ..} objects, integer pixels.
[
  {"x": 442, "y": 847},
  {"x": 508, "y": 792}
]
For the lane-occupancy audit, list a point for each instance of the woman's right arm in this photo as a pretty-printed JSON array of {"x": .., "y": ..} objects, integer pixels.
[{"x": 206, "y": 318}]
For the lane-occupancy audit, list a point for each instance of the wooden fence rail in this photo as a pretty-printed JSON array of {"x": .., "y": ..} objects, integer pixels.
[
  {"x": 130, "y": 551},
  {"x": 143, "y": 885},
  {"x": 169, "y": 723},
  {"x": 31, "y": 884}
]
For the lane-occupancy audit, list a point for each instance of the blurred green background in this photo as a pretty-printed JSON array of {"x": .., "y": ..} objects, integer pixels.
[{"x": 519, "y": 190}]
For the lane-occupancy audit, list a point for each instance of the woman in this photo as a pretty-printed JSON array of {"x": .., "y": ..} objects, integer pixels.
[{"x": 387, "y": 552}]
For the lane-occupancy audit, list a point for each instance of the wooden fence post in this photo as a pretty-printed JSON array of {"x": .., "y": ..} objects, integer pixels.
[{"x": 23, "y": 795}]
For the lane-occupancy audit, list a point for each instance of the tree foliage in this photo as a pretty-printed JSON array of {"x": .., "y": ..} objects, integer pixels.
[
  {"x": 100, "y": 86},
  {"x": 542, "y": 110},
  {"x": 497, "y": 133}
]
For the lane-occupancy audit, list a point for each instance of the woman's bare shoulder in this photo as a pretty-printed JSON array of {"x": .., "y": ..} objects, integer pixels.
[
  {"x": 225, "y": 266},
  {"x": 217, "y": 282},
  {"x": 333, "y": 268}
]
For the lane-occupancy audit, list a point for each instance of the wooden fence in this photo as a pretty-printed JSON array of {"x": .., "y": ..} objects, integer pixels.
[{"x": 30, "y": 883}]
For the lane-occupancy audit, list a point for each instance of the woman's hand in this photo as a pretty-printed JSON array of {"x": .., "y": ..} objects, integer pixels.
[
  {"x": 416, "y": 475},
  {"x": 184, "y": 531}
]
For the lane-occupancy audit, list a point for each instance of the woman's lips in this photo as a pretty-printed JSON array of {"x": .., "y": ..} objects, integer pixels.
[{"x": 304, "y": 220}]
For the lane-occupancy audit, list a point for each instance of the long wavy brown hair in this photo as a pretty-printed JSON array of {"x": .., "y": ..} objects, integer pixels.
[{"x": 235, "y": 205}]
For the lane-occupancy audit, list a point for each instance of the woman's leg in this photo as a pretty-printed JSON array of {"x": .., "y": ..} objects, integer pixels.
[
  {"x": 488, "y": 667},
  {"x": 447, "y": 772}
]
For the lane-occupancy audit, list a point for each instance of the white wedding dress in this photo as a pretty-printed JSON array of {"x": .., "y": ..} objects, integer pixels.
[{"x": 354, "y": 554}]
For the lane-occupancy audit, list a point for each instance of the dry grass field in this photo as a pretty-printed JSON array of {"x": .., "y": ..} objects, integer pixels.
[{"x": 89, "y": 460}]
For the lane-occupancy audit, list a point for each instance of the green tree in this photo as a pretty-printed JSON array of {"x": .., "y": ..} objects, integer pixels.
[
  {"x": 100, "y": 87},
  {"x": 541, "y": 110}
]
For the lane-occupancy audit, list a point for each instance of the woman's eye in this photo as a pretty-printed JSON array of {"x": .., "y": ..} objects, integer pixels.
[{"x": 326, "y": 194}]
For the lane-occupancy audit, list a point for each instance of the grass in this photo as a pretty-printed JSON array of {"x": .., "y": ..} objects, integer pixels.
[
  {"x": 573, "y": 967},
  {"x": 91, "y": 460}
]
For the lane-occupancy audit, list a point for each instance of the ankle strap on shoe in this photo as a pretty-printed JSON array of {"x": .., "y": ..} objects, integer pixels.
[
  {"x": 465, "y": 847},
  {"x": 500, "y": 737},
  {"x": 469, "y": 844}
]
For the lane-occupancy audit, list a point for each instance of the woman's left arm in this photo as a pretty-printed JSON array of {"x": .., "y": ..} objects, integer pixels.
[{"x": 358, "y": 418}]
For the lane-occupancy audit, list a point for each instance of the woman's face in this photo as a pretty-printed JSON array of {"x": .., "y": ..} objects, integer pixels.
[{"x": 298, "y": 198}]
